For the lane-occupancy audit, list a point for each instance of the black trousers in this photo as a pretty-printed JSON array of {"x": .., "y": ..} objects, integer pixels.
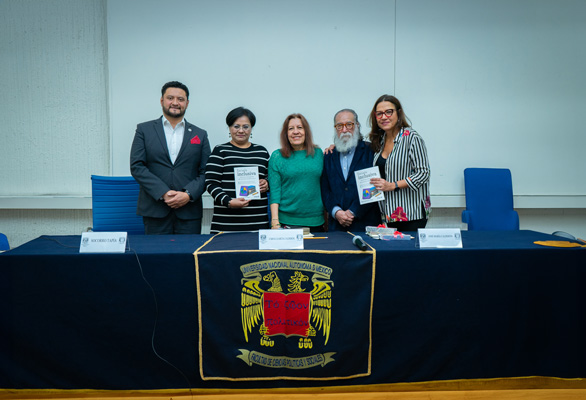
[{"x": 171, "y": 225}]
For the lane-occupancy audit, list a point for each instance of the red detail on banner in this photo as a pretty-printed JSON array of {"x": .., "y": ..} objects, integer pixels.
[
  {"x": 195, "y": 140},
  {"x": 286, "y": 314}
]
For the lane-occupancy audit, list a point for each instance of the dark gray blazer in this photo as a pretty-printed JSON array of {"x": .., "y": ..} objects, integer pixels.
[{"x": 151, "y": 166}]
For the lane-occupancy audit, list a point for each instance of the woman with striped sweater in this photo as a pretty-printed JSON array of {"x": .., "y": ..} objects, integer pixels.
[{"x": 231, "y": 212}]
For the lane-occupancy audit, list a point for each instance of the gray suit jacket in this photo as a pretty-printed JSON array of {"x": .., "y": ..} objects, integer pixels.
[{"x": 152, "y": 168}]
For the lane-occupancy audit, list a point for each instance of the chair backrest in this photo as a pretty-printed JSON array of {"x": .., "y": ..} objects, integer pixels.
[
  {"x": 4, "y": 242},
  {"x": 489, "y": 199},
  {"x": 114, "y": 201}
]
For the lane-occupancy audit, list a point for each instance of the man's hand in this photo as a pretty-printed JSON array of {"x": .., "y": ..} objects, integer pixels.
[
  {"x": 175, "y": 199},
  {"x": 329, "y": 149},
  {"x": 344, "y": 218}
]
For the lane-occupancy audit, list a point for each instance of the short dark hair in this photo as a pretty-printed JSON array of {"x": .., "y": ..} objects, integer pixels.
[
  {"x": 240, "y": 112},
  {"x": 174, "y": 84}
]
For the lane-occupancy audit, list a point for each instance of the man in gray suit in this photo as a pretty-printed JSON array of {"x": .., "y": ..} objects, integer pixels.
[{"x": 168, "y": 159}]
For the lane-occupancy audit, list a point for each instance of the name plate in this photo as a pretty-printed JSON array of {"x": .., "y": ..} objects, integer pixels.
[
  {"x": 280, "y": 239},
  {"x": 103, "y": 242},
  {"x": 440, "y": 238}
]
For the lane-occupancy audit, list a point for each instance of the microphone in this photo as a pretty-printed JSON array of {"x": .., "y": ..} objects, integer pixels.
[{"x": 359, "y": 242}]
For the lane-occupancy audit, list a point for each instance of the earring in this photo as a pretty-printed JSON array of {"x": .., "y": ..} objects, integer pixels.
[{"x": 251, "y": 135}]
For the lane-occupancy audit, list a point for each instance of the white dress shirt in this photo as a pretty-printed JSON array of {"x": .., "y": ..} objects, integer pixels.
[{"x": 174, "y": 137}]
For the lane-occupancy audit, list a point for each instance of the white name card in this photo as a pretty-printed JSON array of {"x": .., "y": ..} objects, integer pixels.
[
  {"x": 440, "y": 238},
  {"x": 103, "y": 242},
  {"x": 280, "y": 239}
]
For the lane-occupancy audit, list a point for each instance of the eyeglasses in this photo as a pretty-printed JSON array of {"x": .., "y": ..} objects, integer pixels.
[
  {"x": 243, "y": 127},
  {"x": 349, "y": 126},
  {"x": 389, "y": 113}
]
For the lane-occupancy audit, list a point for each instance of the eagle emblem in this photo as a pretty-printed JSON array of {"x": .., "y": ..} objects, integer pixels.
[{"x": 295, "y": 311}]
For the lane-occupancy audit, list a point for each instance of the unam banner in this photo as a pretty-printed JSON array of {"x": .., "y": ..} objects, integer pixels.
[{"x": 284, "y": 314}]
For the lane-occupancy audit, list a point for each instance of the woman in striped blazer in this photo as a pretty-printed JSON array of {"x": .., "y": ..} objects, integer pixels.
[{"x": 401, "y": 156}]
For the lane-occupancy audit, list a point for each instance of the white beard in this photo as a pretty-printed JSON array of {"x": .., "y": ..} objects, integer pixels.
[{"x": 346, "y": 142}]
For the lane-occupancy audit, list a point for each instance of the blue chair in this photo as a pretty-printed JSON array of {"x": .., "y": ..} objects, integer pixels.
[
  {"x": 114, "y": 201},
  {"x": 489, "y": 200},
  {"x": 4, "y": 242}
]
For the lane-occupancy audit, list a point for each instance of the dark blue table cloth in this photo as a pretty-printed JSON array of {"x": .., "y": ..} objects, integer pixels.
[{"x": 500, "y": 307}]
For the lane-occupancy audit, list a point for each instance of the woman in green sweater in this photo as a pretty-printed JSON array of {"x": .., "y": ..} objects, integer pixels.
[{"x": 294, "y": 178}]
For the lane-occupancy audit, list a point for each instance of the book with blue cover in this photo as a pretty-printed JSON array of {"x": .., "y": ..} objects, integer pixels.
[
  {"x": 367, "y": 193},
  {"x": 247, "y": 184}
]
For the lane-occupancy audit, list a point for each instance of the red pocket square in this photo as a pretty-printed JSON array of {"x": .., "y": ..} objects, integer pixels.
[{"x": 195, "y": 140}]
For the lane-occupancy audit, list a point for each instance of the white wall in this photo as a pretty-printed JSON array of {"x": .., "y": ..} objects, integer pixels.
[
  {"x": 449, "y": 65},
  {"x": 53, "y": 114},
  {"x": 494, "y": 83},
  {"x": 498, "y": 84},
  {"x": 274, "y": 57},
  {"x": 53, "y": 80}
]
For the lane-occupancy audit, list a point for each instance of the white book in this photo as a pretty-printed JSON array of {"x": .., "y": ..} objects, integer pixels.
[
  {"x": 367, "y": 193},
  {"x": 247, "y": 182}
]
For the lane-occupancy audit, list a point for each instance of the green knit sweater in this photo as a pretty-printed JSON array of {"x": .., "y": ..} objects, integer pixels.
[{"x": 295, "y": 185}]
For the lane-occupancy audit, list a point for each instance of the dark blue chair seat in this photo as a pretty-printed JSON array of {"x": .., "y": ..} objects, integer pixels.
[
  {"x": 4, "y": 242},
  {"x": 489, "y": 200},
  {"x": 114, "y": 201}
]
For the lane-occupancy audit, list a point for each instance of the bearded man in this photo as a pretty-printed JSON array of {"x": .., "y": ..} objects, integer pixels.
[
  {"x": 168, "y": 160},
  {"x": 338, "y": 182}
]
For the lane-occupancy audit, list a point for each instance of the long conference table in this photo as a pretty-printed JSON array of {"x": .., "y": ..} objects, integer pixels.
[{"x": 500, "y": 307}]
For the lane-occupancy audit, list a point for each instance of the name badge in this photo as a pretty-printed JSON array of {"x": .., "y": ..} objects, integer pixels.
[
  {"x": 103, "y": 242},
  {"x": 439, "y": 238},
  {"x": 280, "y": 239}
]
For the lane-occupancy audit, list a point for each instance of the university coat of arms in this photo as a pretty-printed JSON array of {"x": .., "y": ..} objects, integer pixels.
[
  {"x": 282, "y": 317},
  {"x": 299, "y": 307}
]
